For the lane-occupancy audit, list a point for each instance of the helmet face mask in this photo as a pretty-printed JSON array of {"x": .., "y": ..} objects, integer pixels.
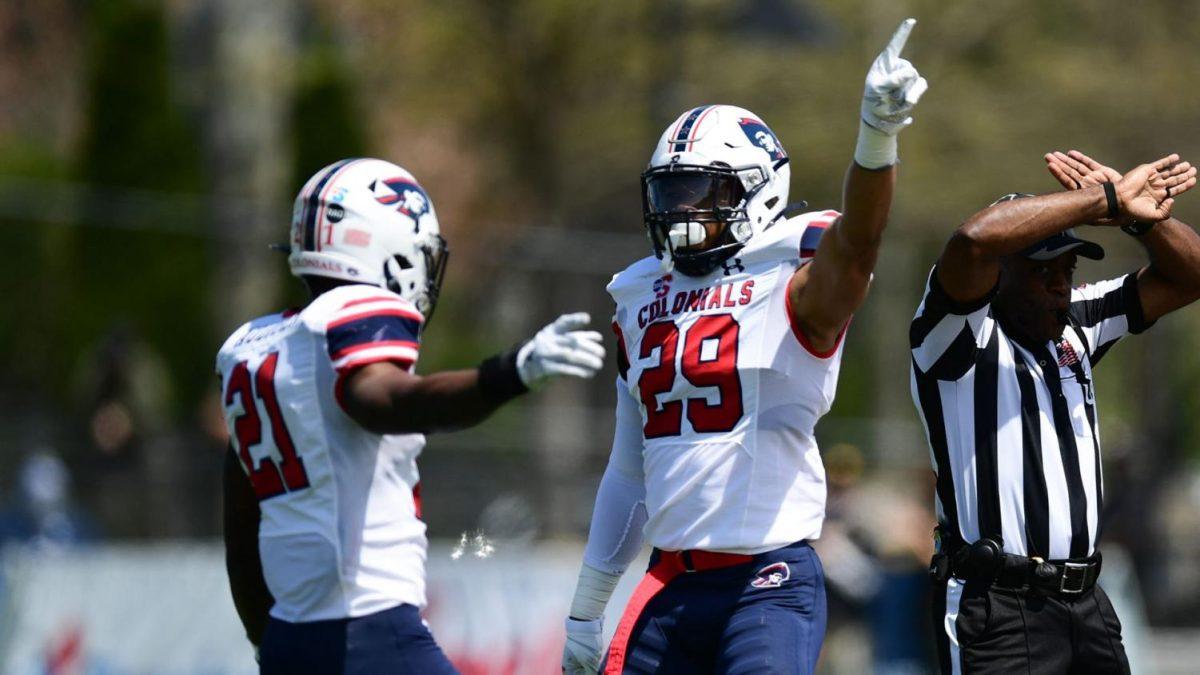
[
  {"x": 717, "y": 177},
  {"x": 676, "y": 197},
  {"x": 695, "y": 189},
  {"x": 369, "y": 221},
  {"x": 421, "y": 283}
]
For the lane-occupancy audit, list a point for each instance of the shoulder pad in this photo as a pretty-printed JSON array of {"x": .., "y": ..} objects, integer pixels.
[
  {"x": 345, "y": 302},
  {"x": 795, "y": 237},
  {"x": 229, "y": 342},
  {"x": 635, "y": 277},
  {"x": 365, "y": 324},
  {"x": 232, "y": 342}
]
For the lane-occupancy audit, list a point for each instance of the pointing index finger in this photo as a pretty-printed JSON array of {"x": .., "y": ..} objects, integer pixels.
[{"x": 899, "y": 39}]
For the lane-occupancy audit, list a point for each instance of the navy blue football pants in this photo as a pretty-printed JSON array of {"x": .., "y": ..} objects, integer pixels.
[
  {"x": 764, "y": 616},
  {"x": 392, "y": 641}
]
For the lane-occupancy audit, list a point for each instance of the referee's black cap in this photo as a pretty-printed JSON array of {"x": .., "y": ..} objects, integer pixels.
[{"x": 1056, "y": 244}]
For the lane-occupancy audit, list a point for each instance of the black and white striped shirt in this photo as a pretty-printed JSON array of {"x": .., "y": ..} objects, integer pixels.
[{"x": 1013, "y": 431}]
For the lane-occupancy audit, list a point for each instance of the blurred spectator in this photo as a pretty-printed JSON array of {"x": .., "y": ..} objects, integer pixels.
[
  {"x": 127, "y": 398},
  {"x": 42, "y": 513},
  {"x": 876, "y": 546}
]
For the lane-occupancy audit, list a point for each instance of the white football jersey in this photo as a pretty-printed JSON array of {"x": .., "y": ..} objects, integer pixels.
[
  {"x": 340, "y": 534},
  {"x": 729, "y": 393}
]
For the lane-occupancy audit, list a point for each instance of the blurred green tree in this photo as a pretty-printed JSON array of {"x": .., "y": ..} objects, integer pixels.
[{"x": 135, "y": 137}]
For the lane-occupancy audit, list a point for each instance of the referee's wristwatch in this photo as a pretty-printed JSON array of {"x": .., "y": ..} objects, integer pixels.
[{"x": 1136, "y": 228}]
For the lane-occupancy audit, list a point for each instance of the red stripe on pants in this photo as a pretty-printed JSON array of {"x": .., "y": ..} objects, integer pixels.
[
  {"x": 670, "y": 565},
  {"x": 667, "y": 568}
]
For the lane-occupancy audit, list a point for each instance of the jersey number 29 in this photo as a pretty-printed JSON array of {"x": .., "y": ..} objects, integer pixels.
[
  {"x": 709, "y": 360},
  {"x": 268, "y": 479}
]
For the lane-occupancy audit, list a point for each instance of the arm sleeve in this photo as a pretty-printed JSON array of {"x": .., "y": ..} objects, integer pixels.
[
  {"x": 945, "y": 336},
  {"x": 373, "y": 329},
  {"x": 622, "y": 356},
  {"x": 615, "y": 537},
  {"x": 1107, "y": 311}
]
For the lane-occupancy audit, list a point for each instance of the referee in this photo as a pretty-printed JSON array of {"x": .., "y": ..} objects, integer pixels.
[{"x": 1002, "y": 354}]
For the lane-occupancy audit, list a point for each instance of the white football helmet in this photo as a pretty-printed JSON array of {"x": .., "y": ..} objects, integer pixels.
[
  {"x": 714, "y": 164},
  {"x": 369, "y": 221}
]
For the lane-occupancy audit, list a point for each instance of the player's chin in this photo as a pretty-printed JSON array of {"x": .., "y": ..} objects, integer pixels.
[
  {"x": 1056, "y": 323},
  {"x": 1046, "y": 324}
]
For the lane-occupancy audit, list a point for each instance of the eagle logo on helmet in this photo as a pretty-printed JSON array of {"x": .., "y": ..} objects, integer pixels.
[
  {"x": 412, "y": 200},
  {"x": 760, "y": 135}
]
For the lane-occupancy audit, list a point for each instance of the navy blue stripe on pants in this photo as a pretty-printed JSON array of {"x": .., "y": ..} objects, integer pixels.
[
  {"x": 392, "y": 641},
  {"x": 766, "y": 616}
]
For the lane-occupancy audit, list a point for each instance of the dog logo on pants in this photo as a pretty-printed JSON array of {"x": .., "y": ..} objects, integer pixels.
[{"x": 772, "y": 576}]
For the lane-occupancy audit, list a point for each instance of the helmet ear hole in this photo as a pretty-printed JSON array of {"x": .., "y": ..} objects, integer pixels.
[
  {"x": 403, "y": 262},
  {"x": 391, "y": 274}
]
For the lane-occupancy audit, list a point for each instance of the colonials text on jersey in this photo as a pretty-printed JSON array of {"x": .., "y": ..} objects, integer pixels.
[{"x": 697, "y": 300}]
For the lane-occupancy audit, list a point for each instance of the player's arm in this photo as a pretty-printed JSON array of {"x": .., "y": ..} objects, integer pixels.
[
  {"x": 825, "y": 293},
  {"x": 241, "y": 517},
  {"x": 1172, "y": 279},
  {"x": 383, "y": 397},
  {"x": 614, "y": 539},
  {"x": 970, "y": 263}
]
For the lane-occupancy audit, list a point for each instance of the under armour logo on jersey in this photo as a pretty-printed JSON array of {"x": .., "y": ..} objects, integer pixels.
[
  {"x": 1066, "y": 354},
  {"x": 772, "y": 576},
  {"x": 734, "y": 266}
]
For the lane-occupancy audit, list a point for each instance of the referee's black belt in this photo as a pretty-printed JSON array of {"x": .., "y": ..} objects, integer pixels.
[{"x": 985, "y": 561}]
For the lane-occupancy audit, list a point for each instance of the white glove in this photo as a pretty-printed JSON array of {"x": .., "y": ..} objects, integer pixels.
[
  {"x": 893, "y": 86},
  {"x": 561, "y": 349},
  {"x": 581, "y": 655}
]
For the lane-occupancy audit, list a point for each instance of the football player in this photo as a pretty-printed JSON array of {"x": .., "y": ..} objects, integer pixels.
[
  {"x": 730, "y": 339},
  {"x": 325, "y": 546}
]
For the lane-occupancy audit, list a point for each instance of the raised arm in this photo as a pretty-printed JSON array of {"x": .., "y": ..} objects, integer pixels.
[
  {"x": 825, "y": 293},
  {"x": 387, "y": 399},
  {"x": 1172, "y": 279},
  {"x": 970, "y": 263}
]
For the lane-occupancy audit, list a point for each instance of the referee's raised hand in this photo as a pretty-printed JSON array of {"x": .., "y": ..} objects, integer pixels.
[
  {"x": 1148, "y": 192},
  {"x": 1076, "y": 170}
]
